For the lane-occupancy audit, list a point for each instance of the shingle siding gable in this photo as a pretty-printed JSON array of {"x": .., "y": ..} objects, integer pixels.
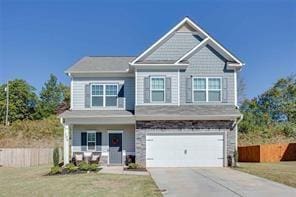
[
  {"x": 207, "y": 63},
  {"x": 175, "y": 47}
]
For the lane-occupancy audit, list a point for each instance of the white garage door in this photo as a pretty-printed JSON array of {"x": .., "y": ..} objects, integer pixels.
[{"x": 173, "y": 150}]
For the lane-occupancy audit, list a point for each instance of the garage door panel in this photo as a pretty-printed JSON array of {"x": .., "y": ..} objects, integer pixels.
[{"x": 184, "y": 150}]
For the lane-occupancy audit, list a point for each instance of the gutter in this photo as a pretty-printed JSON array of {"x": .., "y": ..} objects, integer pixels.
[{"x": 240, "y": 119}]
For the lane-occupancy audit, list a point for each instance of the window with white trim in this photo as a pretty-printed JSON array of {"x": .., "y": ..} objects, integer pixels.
[
  {"x": 104, "y": 95},
  {"x": 214, "y": 89},
  {"x": 111, "y": 95},
  {"x": 157, "y": 88},
  {"x": 200, "y": 89},
  {"x": 97, "y": 95},
  {"x": 91, "y": 141},
  {"x": 207, "y": 89}
]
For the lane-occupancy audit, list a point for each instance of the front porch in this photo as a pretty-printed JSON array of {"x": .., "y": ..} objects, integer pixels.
[{"x": 113, "y": 138}]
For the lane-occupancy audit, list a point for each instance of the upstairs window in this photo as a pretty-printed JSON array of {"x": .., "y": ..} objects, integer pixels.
[
  {"x": 157, "y": 89},
  {"x": 214, "y": 89},
  {"x": 207, "y": 89},
  {"x": 200, "y": 89},
  {"x": 97, "y": 95},
  {"x": 111, "y": 95},
  {"x": 104, "y": 95}
]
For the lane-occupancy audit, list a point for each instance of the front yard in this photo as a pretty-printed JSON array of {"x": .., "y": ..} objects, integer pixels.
[
  {"x": 282, "y": 172},
  {"x": 34, "y": 182}
]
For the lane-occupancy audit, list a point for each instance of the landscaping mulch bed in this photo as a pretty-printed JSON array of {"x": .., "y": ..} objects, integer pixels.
[
  {"x": 136, "y": 170},
  {"x": 65, "y": 172}
]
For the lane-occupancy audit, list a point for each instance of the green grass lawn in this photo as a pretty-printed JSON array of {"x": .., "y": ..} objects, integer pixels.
[
  {"x": 34, "y": 182},
  {"x": 282, "y": 172}
]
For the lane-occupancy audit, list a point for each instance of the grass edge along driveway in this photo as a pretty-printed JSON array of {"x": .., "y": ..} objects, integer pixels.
[
  {"x": 281, "y": 172},
  {"x": 34, "y": 182}
]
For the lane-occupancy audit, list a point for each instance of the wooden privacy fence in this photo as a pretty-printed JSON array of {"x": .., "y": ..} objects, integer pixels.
[
  {"x": 25, "y": 157},
  {"x": 267, "y": 153}
]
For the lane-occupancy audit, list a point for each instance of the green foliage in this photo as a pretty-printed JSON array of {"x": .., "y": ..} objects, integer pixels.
[
  {"x": 290, "y": 129},
  {"x": 70, "y": 168},
  {"x": 93, "y": 167},
  {"x": 133, "y": 166},
  {"x": 272, "y": 111},
  {"x": 55, "y": 170},
  {"x": 24, "y": 104},
  {"x": 56, "y": 156},
  {"x": 51, "y": 96},
  {"x": 83, "y": 166},
  {"x": 22, "y": 100}
]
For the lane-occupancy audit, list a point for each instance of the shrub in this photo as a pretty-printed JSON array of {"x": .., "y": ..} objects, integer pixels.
[
  {"x": 93, "y": 167},
  {"x": 56, "y": 156},
  {"x": 133, "y": 166},
  {"x": 55, "y": 170},
  {"x": 130, "y": 159},
  {"x": 70, "y": 168},
  {"x": 289, "y": 129},
  {"x": 83, "y": 166}
]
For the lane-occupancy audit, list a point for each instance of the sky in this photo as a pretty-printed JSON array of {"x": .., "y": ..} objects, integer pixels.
[{"x": 47, "y": 36}]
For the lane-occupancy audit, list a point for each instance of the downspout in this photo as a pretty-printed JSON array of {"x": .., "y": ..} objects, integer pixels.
[{"x": 236, "y": 144}]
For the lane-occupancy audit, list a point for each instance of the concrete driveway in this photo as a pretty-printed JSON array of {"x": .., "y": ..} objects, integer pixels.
[{"x": 215, "y": 182}]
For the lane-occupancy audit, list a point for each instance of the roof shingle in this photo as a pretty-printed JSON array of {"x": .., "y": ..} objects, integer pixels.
[{"x": 101, "y": 64}]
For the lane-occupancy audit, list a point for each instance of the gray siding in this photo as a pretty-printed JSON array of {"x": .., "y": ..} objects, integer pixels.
[
  {"x": 207, "y": 63},
  {"x": 79, "y": 90},
  {"x": 128, "y": 137},
  {"x": 175, "y": 47},
  {"x": 141, "y": 74}
]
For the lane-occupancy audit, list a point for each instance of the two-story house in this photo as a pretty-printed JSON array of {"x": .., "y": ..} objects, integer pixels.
[{"x": 174, "y": 105}]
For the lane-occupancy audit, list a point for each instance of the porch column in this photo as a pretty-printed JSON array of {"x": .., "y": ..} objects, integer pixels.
[{"x": 66, "y": 144}]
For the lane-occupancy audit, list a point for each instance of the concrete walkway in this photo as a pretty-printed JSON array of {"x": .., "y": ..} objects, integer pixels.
[
  {"x": 119, "y": 170},
  {"x": 215, "y": 182}
]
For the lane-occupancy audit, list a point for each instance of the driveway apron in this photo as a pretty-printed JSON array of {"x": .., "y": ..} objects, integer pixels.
[{"x": 215, "y": 182}]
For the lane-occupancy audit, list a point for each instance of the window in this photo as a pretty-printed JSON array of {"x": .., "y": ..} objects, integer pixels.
[
  {"x": 157, "y": 89},
  {"x": 104, "y": 95},
  {"x": 214, "y": 89},
  {"x": 97, "y": 95},
  {"x": 111, "y": 95},
  {"x": 91, "y": 141},
  {"x": 199, "y": 89},
  {"x": 207, "y": 89}
]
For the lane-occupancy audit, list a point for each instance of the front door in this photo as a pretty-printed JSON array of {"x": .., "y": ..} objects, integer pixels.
[{"x": 115, "y": 148}]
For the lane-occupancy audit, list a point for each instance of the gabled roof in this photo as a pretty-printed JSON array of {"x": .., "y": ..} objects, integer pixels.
[
  {"x": 207, "y": 40},
  {"x": 101, "y": 64}
]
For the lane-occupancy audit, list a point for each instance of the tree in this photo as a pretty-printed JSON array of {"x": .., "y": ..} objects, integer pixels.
[
  {"x": 275, "y": 107},
  {"x": 280, "y": 100},
  {"x": 22, "y": 100},
  {"x": 51, "y": 96},
  {"x": 65, "y": 104}
]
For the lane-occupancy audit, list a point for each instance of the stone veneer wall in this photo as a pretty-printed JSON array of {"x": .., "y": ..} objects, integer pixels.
[{"x": 175, "y": 126}]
